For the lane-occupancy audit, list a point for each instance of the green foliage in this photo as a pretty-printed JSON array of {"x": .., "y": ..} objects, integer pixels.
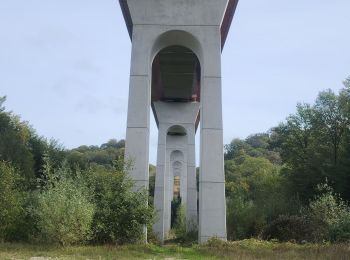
[
  {"x": 247, "y": 249},
  {"x": 175, "y": 210},
  {"x": 326, "y": 214},
  {"x": 14, "y": 138},
  {"x": 257, "y": 145},
  {"x": 287, "y": 228},
  {"x": 11, "y": 200},
  {"x": 340, "y": 231},
  {"x": 152, "y": 184},
  {"x": 85, "y": 156},
  {"x": 183, "y": 232},
  {"x": 121, "y": 213},
  {"x": 64, "y": 213},
  {"x": 314, "y": 145},
  {"x": 180, "y": 222},
  {"x": 20, "y": 145},
  {"x": 255, "y": 195},
  {"x": 2, "y": 101},
  {"x": 243, "y": 218},
  {"x": 326, "y": 218}
]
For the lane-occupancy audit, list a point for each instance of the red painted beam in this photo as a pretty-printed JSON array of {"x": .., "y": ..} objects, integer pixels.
[
  {"x": 226, "y": 23},
  {"x": 127, "y": 16}
]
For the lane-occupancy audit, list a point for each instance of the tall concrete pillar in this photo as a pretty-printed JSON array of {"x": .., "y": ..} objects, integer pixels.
[
  {"x": 138, "y": 120},
  {"x": 176, "y": 67},
  {"x": 191, "y": 202},
  {"x": 212, "y": 203},
  {"x": 160, "y": 196}
]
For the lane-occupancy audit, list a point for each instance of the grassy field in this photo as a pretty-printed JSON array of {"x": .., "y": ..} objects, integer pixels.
[{"x": 246, "y": 249}]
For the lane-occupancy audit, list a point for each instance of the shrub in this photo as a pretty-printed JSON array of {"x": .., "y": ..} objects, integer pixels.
[
  {"x": 175, "y": 208},
  {"x": 121, "y": 213},
  {"x": 327, "y": 214},
  {"x": 340, "y": 231},
  {"x": 286, "y": 228},
  {"x": 64, "y": 212},
  {"x": 180, "y": 222},
  {"x": 11, "y": 200},
  {"x": 244, "y": 219}
]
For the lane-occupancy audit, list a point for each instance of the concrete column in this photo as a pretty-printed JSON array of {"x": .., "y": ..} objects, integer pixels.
[
  {"x": 168, "y": 188},
  {"x": 183, "y": 180},
  {"x": 212, "y": 203},
  {"x": 161, "y": 182},
  {"x": 138, "y": 119},
  {"x": 191, "y": 201}
]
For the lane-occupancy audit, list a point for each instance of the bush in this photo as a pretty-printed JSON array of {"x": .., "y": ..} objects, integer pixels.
[
  {"x": 244, "y": 220},
  {"x": 327, "y": 214},
  {"x": 180, "y": 222},
  {"x": 327, "y": 218},
  {"x": 175, "y": 208},
  {"x": 64, "y": 213},
  {"x": 121, "y": 213},
  {"x": 340, "y": 231},
  {"x": 11, "y": 200},
  {"x": 286, "y": 228}
]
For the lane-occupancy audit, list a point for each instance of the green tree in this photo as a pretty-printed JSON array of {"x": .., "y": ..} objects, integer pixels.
[
  {"x": 325, "y": 214},
  {"x": 302, "y": 151},
  {"x": 121, "y": 212},
  {"x": 20, "y": 145},
  {"x": 256, "y": 145},
  {"x": 63, "y": 209},
  {"x": 11, "y": 200},
  {"x": 14, "y": 138},
  {"x": 331, "y": 123},
  {"x": 314, "y": 144},
  {"x": 255, "y": 195},
  {"x": 2, "y": 101}
]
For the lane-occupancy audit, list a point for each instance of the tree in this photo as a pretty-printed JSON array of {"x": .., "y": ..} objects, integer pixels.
[
  {"x": 2, "y": 101},
  {"x": 11, "y": 199},
  {"x": 121, "y": 213},
  {"x": 104, "y": 156},
  {"x": 256, "y": 145},
  {"x": 61, "y": 210},
  {"x": 332, "y": 123},
  {"x": 295, "y": 136},
  {"x": 255, "y": 195},
  {"x": 14, "y": 138},
  {"x": 314, "y": 144},
  {"x": 236, "y": 148},
  {"x": 302, "y": 151}
]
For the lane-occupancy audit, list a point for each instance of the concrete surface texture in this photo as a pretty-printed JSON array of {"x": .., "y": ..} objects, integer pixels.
[{"x": 176, "y": 70}]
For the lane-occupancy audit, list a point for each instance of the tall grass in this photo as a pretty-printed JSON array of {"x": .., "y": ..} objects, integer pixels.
[{"x": 245, "y": 249}]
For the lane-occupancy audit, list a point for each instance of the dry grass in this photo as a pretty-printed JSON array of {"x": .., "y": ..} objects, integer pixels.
[
  {"x": 257, "y": 249},
  {"x": 246, "y": 249}
]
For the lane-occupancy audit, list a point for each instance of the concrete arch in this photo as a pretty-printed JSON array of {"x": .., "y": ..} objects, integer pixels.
[
  {"x": 177, "y": 167},
  {"x": 176, "y": 130},
  {"x": 176, "y": 157},
  {"x": 180, "y": 38},
  {"x": 176, "y": 75}
]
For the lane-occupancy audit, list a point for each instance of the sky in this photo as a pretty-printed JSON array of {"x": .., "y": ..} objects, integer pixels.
[{"x": 64, "y": 65}]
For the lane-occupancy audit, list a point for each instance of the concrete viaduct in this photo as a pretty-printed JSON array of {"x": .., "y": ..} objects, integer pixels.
[{"x": 176, "y": 71}]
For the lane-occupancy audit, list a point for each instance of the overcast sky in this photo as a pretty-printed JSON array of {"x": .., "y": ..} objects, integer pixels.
[{"x": 64, "y": 64}]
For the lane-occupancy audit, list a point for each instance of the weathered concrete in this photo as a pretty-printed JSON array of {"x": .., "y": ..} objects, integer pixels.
[{"x": 201, "y": 26}]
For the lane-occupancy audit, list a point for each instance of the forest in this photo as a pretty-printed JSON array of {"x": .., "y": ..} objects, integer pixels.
[{"x": 291, "y": 183}]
